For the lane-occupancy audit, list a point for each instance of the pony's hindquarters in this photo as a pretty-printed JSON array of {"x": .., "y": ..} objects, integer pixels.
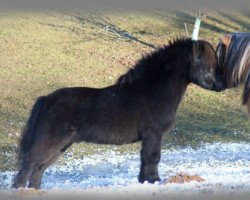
[
  {"x": 27, "y": 140},
  {"x": 45, "y": 138}
]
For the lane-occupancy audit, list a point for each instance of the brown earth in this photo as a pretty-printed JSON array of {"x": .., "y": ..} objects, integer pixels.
[{"x": 183, "y": 178}]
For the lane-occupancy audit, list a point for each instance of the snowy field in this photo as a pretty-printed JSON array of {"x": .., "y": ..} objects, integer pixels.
[{"x": 111, "y": 175}]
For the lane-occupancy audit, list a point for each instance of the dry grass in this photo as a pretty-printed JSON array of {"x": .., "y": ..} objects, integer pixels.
[{"x": 43, "y": 51}]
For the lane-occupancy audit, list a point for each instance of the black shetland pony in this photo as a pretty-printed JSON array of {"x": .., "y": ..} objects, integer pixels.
[{"x": 141, "y": 106}]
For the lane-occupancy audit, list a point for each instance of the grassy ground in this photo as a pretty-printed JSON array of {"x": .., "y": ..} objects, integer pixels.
[{"x": 43, "y": 51}]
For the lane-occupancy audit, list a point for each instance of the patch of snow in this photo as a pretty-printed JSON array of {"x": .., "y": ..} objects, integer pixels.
[{"x": 224, "y": 166}]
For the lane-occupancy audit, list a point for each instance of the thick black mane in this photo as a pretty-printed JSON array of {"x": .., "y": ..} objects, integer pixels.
[{"x": 150, "y": 66}]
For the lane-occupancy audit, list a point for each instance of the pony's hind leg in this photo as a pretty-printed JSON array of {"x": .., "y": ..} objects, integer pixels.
[
  {"x": 24, "y": 173},
  {"x": 36, "y": 177},
  {"x": 37, "y": 174}
]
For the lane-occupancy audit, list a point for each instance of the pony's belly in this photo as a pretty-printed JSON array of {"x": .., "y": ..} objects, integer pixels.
[{"x": 117, "y": 137}]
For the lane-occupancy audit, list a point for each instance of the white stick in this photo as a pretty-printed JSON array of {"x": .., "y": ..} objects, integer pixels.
[
  {"x": 185, "y": 24},
  {"x": 196, "y": 29}
]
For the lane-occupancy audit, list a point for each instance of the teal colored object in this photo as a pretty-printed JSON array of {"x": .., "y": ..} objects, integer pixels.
[{"x": 196, "y": 29}]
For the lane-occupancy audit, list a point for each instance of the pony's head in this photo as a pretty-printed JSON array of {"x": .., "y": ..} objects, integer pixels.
[
  {"x": 233, "y": 53},
  {"x": 203, "y": 71}
]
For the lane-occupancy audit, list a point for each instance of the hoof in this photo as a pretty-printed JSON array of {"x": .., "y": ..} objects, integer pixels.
[
  {"x": 149, "y": 179},
  {"x": 16, "y": 186},
  {"x": 153, "y": 180}
]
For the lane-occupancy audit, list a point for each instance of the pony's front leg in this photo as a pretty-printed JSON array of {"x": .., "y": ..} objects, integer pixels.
[{"x": 150, "y": 157}]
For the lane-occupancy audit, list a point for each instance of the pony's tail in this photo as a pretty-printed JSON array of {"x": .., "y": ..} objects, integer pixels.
[
  {"x": 246, "y": 94},
  {"x": 29, "y": 133}
]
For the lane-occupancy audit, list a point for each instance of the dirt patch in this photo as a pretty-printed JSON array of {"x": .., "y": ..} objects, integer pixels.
[{"x": 183, "y": 178}]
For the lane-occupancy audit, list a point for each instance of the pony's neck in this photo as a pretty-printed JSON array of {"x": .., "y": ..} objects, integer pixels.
[
  {"x": 162, "y": 87},
  {"x": 167, "y": 70},
  {"x": 171, "y": 90},
  {"x": 162, "y": 76},
  {"x": 165, "y": 63}
]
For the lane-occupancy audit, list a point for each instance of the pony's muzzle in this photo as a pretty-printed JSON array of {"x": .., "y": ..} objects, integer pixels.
[
  {"x": 210, "y": 82},
  {"x": 219, "y": 84}
]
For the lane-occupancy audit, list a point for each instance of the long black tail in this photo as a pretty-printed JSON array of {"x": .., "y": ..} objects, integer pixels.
[{"x": 29, "y": 133}]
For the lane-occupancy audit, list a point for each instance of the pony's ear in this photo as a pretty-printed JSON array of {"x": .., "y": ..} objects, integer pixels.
[{"x": 225, "y": 39}]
